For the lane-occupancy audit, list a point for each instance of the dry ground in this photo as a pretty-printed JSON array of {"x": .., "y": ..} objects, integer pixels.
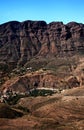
[{"x": 63, "y": 111}]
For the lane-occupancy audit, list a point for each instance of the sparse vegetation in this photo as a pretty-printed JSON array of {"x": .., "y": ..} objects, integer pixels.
[
  {"x": 39, "y": 61},
  {"x": 43, "y": 92},
  {"x": 12, "y": 100}
]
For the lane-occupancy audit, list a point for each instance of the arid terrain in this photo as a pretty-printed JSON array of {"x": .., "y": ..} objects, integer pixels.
[
  {"x": 58, "y": 112},
  {"x": 41, "y": 76}
]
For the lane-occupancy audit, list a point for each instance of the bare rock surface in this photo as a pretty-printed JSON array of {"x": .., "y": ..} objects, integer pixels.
[{"x": 19, "y": 42}]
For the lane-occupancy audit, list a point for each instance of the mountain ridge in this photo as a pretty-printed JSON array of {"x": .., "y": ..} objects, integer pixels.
[
  {"x": 21, "y": 41},
  {"x": 42, "y": 75}
]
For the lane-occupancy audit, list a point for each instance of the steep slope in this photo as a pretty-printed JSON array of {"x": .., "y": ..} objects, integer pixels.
[
  {"x": 59, "y": 74},
  {"x": 34, "y": 54},
  {"x": 19, "y": 42}
]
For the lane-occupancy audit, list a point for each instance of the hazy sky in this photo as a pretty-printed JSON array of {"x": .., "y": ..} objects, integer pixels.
[{"x": 47, "y": 10}]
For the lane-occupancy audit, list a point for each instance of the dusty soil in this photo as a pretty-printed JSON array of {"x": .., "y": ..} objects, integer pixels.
[{"x": 63, "y": 111}]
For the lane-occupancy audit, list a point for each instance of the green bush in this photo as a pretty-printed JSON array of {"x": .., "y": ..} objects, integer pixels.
[
  {"x": 43, "y": 92},
  {"x": 13, "y": 100}
]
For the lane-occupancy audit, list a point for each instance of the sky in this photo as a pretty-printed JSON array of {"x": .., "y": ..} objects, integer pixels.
[{"x": 47, "y": 10}]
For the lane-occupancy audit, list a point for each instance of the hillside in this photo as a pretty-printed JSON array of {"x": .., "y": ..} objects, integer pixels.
[
  {"x": 58, "y": 112},
  {"x": 41, "y": 76},
  {"x": 19, "y": 42}
]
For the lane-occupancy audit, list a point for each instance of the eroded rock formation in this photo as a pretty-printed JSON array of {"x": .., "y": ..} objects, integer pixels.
[{"x": 19, "y": 42}]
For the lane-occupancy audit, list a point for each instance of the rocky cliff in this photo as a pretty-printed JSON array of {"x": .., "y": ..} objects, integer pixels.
[{"x": 20, "y": 41}]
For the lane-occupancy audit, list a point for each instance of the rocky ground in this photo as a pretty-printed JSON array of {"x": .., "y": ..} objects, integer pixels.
[
  {"x": 41, "y": 76},
  {"x": 20, "y": 42},
  {"x": 57, "y": 112}
]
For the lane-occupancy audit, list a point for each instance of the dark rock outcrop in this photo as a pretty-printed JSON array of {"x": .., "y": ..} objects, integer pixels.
[
  {"x": 7, "y": 112},
  {"x": 21, "y": 41}
]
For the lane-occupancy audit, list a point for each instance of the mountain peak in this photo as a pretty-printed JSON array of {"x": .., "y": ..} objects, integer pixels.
[{"x": 20, "y": 41}]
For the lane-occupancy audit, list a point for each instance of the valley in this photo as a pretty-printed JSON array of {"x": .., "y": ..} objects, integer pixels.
[{"x": 41, "y": 76}]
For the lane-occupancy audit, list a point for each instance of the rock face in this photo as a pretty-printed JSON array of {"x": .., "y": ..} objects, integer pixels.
[
  {"x": 36, "y": 80},
  {"x": 19, "y": 42}
]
